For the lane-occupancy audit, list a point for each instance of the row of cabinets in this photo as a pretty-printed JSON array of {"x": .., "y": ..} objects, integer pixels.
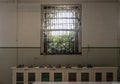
[{"x": 96, "y": 74}]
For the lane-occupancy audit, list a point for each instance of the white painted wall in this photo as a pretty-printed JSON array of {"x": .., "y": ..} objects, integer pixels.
[
  {"x": 99, "y": 24},
  {"x": 7, "y": 25},
  {"x": 29, "y": 25}
]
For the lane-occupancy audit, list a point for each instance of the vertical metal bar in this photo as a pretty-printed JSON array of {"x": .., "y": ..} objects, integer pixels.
[
  {"x": 47, "y": 27},
  {"x": 62, "y": 15},
  {"x": 52, "y": 20},
  {"x": 41, "y": 31},
  {"x": 76, "y": 34},
  {"x": 79, "y": 28},
  {"x": 68, "y": 24},
  {"x": 44, "y": 30},
  {"x": 59, "y": 26}
]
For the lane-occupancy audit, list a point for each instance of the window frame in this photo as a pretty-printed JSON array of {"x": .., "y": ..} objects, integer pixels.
[{"x": 79, "y": 42}]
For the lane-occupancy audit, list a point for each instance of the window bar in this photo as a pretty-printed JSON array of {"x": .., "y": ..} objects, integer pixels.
[
  {"x": 74, "y": 37},
  {"x": 71, "y": 27},
  {"x": 50, "y": 22},
  {"x": 55, "y": 25},
  {"x": 75, "y": 32},
  {"x": 79, "y": 35},
  {"x": 77, "y": 29},
  {"x": 58, "y": 14},
  {"x": 62, "y": 32},
  {"x": 44, "y": 25},
  {"x": 53, "y": 20},
  {"x": 63, "y": 27},
  {"x": 47, "y": 24},
  {"x": 79, "y": 26},
  {"x": 68, "y": 28}
]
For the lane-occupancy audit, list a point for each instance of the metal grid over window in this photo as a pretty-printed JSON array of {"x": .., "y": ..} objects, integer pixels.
[{"x": 61, "y": 29}]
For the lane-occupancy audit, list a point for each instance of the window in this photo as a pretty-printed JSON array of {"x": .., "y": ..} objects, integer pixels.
[{"x": 61, "y": 29}]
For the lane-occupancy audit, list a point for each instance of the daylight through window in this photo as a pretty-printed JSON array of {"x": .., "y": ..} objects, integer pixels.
[{"x": 61, "y": 29}]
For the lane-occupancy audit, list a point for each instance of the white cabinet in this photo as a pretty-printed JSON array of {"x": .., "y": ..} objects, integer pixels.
[
  {"x": 105, "y": 74},
  {"x": 31, "y": 75},
  {"x": 85, "y": 74},
  {"x": 24, "y": 75},
  {"x": 45, "y": 75},
  {"x": 71, "y": 75},
  {"x": 96, "y": 74},
  {"x": 18, "y": 76},
  {"x": 58, "y": 75}
]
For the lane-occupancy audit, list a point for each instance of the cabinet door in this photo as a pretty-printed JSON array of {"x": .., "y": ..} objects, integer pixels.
[
  {"x": 31, "y": 77},
  {"x": 85, "y": 76},
  {"x": 45, "y": 76},
  {"x": 19, "y": 78},
  {"x": 105, "y": 74},
  {"x": 98, "y": 76},
  {"x": 72, "y": 75},
  {"x": 109, "y": 76},
  {"x": 57, "y": 76}
]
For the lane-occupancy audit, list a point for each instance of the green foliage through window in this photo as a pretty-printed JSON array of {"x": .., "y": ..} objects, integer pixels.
[{"x": 61, "y": 29}]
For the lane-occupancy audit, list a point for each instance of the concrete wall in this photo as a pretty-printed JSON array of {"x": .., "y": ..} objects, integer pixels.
[{"x": 20, "y": 27}]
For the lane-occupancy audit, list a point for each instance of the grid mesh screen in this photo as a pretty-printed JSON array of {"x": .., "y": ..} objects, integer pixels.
[{"x": 61, "y": 26}]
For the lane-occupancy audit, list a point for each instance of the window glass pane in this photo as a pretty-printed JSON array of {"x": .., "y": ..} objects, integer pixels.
[
  {"x": 72, "y": 77},
  {"x": 84, "y": 76},
  {"x": 109, "y": 76},
  {"x": 20, "y": 77},
  {"x": 45, "y": 77},
  {"x": 98, "y": 76},
  {"x": 31, "y": 76},
  {"x": 57, "y": 77},
  {"x": 62, "y": 43}
]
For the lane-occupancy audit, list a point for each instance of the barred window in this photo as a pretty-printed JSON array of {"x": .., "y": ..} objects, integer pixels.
[{"x": 61, "y": 29}]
